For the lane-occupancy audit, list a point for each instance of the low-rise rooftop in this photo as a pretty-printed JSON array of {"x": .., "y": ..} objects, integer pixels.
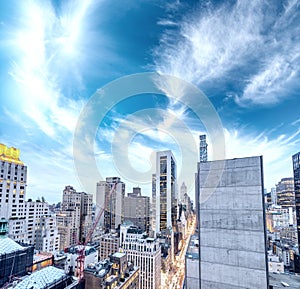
[
  {"x": 42, "y": 279},
  {"x": 119, "y": 255},
  {"x": 8, "y": 245},
  {"x": 284, "y": 280}
]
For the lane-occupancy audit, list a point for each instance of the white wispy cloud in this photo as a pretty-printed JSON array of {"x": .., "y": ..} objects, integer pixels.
[
  {"x": 248, "y": 38},
  {"x": 277, "y": 152},
  {"x": 141, "y": 148},
  {"x": 210, "y": 44},
  {"x": 47, "y": 48}
]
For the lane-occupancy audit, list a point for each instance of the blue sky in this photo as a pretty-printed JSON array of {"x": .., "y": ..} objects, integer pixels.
[{"x": 54, "y": 55}]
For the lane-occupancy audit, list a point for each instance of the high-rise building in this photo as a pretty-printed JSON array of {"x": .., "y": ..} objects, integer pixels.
[
  {"x": 296, "y": 169},
  {"x": 23, "y": 216},
  {"x": 114, "y": 211},
  {"x": 86, "y": 215},
  {"x": 285, "y": 193},
  {"x": 153, "y": 204},
  {"x": 145, "y": 253},
  {"x": 137, "y": 209},
  {"x": 279, "y": 218},
  {"x": 109, "y": 244},
  {"x": 203, "y": 159},
  {"x": 165, "y": 194},
  {"x": 274, "y": 196},
  {"x": 203, "y": 148},
  {"x": 232, "y": 234},
  {"x": 75, "y": 217},
  {"x": 183, "y": 192},
  {"x": 35, "y": 211},
  {"x": 47, "y": 237},
  {"x": 13, "y": 182}
]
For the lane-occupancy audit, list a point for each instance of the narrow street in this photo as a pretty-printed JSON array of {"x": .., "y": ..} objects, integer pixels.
[{"x": 175, "y": 279}]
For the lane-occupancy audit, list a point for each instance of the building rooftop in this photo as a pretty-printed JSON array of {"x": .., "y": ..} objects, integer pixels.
[
  {"x": 119, "y": 255},
  {"x": 7, "y": 246},
  {"x": 77, "y": 249},
  {"x": 10, "y": 154},
  {"x": 99, "y": 269},
  {"x": 135, "y": 230},
  {"x": 280, "y": 281},
  {"x": 41, "y": 279},
  {"x": 39, "y": 257}
]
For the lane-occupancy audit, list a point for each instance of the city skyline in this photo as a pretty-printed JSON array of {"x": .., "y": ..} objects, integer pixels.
[{"x": 56, "y": 54}]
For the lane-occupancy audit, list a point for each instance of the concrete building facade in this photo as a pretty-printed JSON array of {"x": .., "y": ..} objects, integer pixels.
[
  {"x": 232, "y": 234},
  {"x": 192, "y": 280}
]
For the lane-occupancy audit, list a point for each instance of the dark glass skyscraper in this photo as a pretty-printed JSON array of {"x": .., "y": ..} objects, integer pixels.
[
  {"x": 165, "y": 195},
  {"x": 296, "y": 169}
]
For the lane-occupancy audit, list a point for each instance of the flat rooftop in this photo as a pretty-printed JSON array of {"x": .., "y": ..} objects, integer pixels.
[
  {"x": 119, "y": 255},
  {"x": 41, "y": 257}
]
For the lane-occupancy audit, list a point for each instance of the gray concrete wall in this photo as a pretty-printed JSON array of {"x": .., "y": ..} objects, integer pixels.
[
  {"x": 192, "y": 273},
  {"x": 232, "y": 231}
]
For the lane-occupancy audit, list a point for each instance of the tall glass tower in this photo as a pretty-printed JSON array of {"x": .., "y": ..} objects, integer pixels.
[
  {"x": 166, "y": 198},
  {"x": 296, "y": 169}
]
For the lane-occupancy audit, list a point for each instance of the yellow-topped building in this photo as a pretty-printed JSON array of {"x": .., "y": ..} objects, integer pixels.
[
  {"x": 13, "y": 182},
  {"x": 10, "y": 154}
]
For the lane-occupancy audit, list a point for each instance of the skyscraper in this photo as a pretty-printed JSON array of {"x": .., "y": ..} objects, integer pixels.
[
  {"x": 296, "y": 169},
  {"x": 203, "y": 148},
  {"x": 23, "y": 217},
  {"x": 203, "y": 159},
  {"x": 232, "y": 234},
  {"x": 13, "y": 182},
  {"x": 183, "y": 192},
  {"x": 153, "y": 204},
  {"x": 114, "y": 210},
  {"x": 75, "y": 217},
  {"x": 165, "y": 193},
  {"x": 137, "y": 209},
  {"x": 285, "y": 193}
]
